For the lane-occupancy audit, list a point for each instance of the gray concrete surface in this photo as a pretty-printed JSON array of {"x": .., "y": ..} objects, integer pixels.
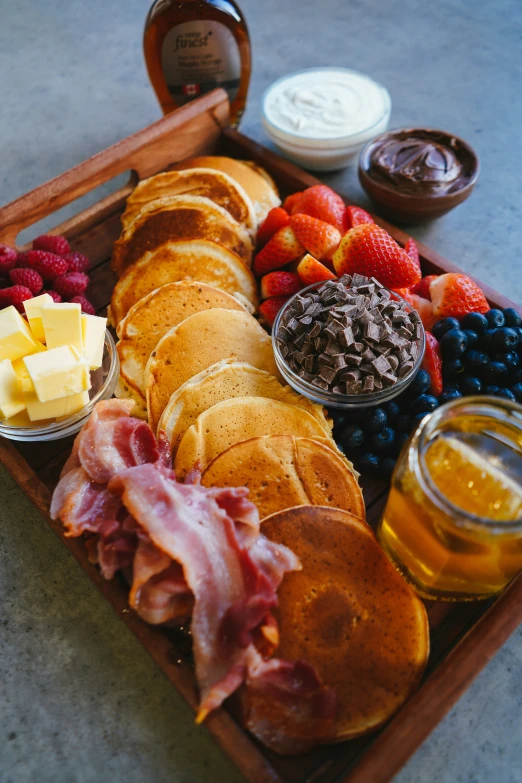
[{"x": 79, "y": 698}]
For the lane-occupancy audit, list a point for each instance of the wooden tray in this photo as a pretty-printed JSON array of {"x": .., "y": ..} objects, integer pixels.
[{"x": 464, "y": 637}]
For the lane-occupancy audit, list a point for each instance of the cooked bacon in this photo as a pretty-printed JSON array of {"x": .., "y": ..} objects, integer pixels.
[
  {"x": 113, "y": 548},
  {"x": 109, "y": 447},
  {"x": 82, "y": 504}
]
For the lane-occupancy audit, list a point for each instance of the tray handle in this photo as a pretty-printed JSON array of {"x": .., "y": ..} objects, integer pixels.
[{"x": 185, "y": 132}]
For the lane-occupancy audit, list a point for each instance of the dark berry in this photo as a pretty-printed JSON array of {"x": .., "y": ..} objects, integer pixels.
[
  {"x": 392, "y": 411},
  {"x": 382, "y": 442},
  {"x": 468, "y": 384},
  {"x": 506, "y": 393},
  {"x": 369, "y": 464},
  {"x": 424, "y": 404},
  {"x": 517, "y": 391},
  {"x": 352, "y": 437},
  {"x": 339, "y": 419},
  {"x": 443, "y": 326},
  {"x": 420, "y": 384},
  {"x": 453, "y": 344},
  {"x": 448, "y": 395},
  {"x": 375, "y": 419},
  {"x": 517, "y": 376},
  {"x": 475, "y": 321},
  {"x": 486, "y": 339},
  {"x": 511, "y": 360},
  {"x": 403, "y": 423},
  {"x": 473, "y": 338},
  {"x": 476, "y": 362},
  {"x": 451, "y": 368},
  {"x": 400, "y": 439},
  {"x": 491, "y": 390},
  {"x": 388, "y": 466},
  {"x": 416, "y": 420},
  {"x": 496, "y": 373},
  {"x": 495, "y": 318},
  {"x": 504, "y": 340},
  {"x": 511, "y": 317}
]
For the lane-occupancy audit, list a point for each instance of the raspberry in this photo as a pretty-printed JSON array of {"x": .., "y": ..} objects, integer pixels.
[
  {"x": 46, "y": 264},
  {"x": 77, "y": 262},
  {"x": 21, "y": 259},
  {"x": 87, "y": 307},
  {"x": 7, "y": 259},
  {"x": 52, "y": 244},
  {"x": 55, "y": 296},
  {"x": 28, "y": 278},
  {"x": 16, "y": 295},
  {"x": 71, "y": 284}
]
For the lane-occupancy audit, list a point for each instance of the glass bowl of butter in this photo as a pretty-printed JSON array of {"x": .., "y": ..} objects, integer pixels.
[{"x": 56, "y": 363}]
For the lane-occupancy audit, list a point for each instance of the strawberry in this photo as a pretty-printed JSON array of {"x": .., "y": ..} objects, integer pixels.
[
  {"x": 48, "y": 265},
  {"x": 280, "y": 250},
  {"x": 27, "y": 277},
  {"x": 15, "y": 295},
  {"x": 277, "y": 218},
  {"x": 432, "y": 363},
  {"x": 413, "y": 251},
  {"x": 310, "y": 270},
  {"x": 7, "y": 259},
  {"x": 355, "y": 216},
  {"x": 455, "y": 295},
  {"x": 51, "y": 243},
  {"x": 319, "y": 238},
  {"x": 270, "y": 308},
  {"x": 290, "y": 201},
  {"x": 323, "y": 203},
  {"x": 423, "y": 306},
  {"x": 280, "y": 284},
  {"x": 369, "y": 250},
  {"x": 87, "y": 307},
  {"x": 422, "y": 288}
]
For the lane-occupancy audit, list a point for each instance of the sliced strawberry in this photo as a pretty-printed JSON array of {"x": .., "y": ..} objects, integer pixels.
[
  {"x": 290, "y": 201},
  {"x": 423, "y": 307},
  {"x": 310, "y": 270},
  {"x": 323, "y": 203},
  {"x": 280, "y": 284},
  {"x": 432, "y": 363},
  {"x": 422, "y": 288},
  {"x": 369, "y": 250},
  {"x": 270, "y": 308},
  {"x": 319, "y": 238},
  {"x": 456, "y": 295},
  {"x": 280, "y": 250},
  {"x": 413, "y": 251},
  {"x": 356, "y": 216},
  {"x": 277, "y": 218}
]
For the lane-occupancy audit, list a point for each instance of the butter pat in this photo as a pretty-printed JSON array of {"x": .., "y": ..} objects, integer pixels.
[
  {"x": 33, "y": 311},
  {"x": 62, "y": 325},
  {"x": 16, "y": 339},
  {"x": 65, "y": 406},
  {"x": 11, "y": 397},
  {"x": 93, "y": 333},
  {"x": 58, "y": 372},
  {"x": 22, "y": 373}
]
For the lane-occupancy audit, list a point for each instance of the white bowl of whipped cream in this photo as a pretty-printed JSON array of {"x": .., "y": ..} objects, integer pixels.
[{"x": 321, "y": 117}]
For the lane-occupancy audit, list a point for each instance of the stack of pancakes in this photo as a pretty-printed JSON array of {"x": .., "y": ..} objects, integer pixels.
[{"x": 193, "y": 356}]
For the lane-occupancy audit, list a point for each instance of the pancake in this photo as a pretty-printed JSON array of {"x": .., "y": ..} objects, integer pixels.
[
  {"x": 282, "y": 471},
  {"x": 255, "y": 180},
  {"x": 233, "y": 421},
  {"x": 223, "y": 381},
  {"x": 177, "y": 218},
  {"x": 197, "y": 342},
  {"x": 350, "y": 615},
  {"x": 210, "y": 183},
  {"x": 152, "y": 317},
  {"x": 200, "y": 260}
]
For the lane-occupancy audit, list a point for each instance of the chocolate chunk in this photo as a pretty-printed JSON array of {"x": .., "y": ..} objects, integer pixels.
[
  {"x": 284, "y": 334},
  {"x": 376, "y": 283},
  {"x": 316, "y": 329},
  {"x": 418, "y": 331},
  {"x": 284, "y": 350},
  {"x": 377, "y": 384},
  {"x": 368, "y": 383},
  {"x": 339, "y": 390},
  {"x": 324, "y": 358},
  {"x": 320, "y": 383},
  {"x": 366, "y": 368},
  {"x": 346, "y": 280},
  {"x": 393, "y": 362},
  {"x": 352, "y": 375},
  {"x": 346, "y": 337},
  {"x": 339, "y": 361},
  {"x": 368, "y": 355},
  {"x": 389, "y": 379},
  {"x": 353, "y": 359},
  {"x": 413, "y": 350},
  {"x": 299, "y": 340},
  {"x": 333, "y": 347},
  {"x": 292, "y": 325},
  {"x": 405, "y": 368},
  {"x": 354, "y": 387},
  {"x": 313, "y": 310},
  {"x": 372, "y": 331},
  {"x": 299, "y": 357},
  {"x": 308, "y": 363},
  {"x": 320, "y": 344},
  {"x": 327, "y": 373},
  {"x": 359, "y": 347},
  {"x": 359, "y": 280},
  {"x": 381, "y": 365}
]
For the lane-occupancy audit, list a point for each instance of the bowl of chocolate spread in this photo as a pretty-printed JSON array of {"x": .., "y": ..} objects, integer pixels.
[{"x": 417, "y": 174}]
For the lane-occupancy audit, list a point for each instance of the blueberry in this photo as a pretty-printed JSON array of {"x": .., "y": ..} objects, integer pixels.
[
  {"x": 473, "y": 338},
  {"x": 448, "y": 395},
  {"x": 382, "y": 442},
  {"x": 495, "y": 318},
  {"x": 506, "y": 393},
  {"x": 388, "y": 466},
  {"x": 424, "y": 404},
  {"x": 392, "y": 411},
  {"x": 517, "y": 376},
  {"x": 352, "y": 437},
  {"x": 468, "y": 384},
  {"x": 375, "y": 419},
  {"x": 491, "y": 390},
  {"x": 511, "y": 360},
  {"x": 504, "y": 340},
  {"x": 517, "y": 391},
  {"x": 451, "y": 368},
  {"x": 453, "y": 344},
  {"x": 475, "y": 321},
  {"x": 443, "y": 326},
  {"x": 403, "y": 423},
  {"x": 420, "y": 384},
  {"x": 512, "y": 318},
  {"x": 369, "y": 464},
  {"x": 476, "y": 362},
  {"x": 496, "y": 373},
  {"x": 486, "y": 339},
  {"x": 416, "y": 420},
  {"x": 400, "y": 439}
]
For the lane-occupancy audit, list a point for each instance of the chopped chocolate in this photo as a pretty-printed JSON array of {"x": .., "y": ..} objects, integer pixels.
[
  {"x": 381, "y": 365},
  {"x": 327, "y": 373},
  {"x": 316, "y": 329},
  {"x": 320, "y": 383},
  {"x": 389, "y": 379},
  {"x": 405, "y": 368},
  {"x": 371, "y": 331},
  {"x": 346, "y": 337},
  {"x": 369, "y": 383},
  {"x": 393, "y": 362}
]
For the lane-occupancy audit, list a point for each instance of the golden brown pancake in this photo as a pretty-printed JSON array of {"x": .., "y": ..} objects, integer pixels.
[
  {"x": 178, "y": 218},
  {"x": 197, "y": 342},
  {"x": 200, "y": 260},
  {"x": 233, "y": 421},
  {"x": 282, "y": 471}
]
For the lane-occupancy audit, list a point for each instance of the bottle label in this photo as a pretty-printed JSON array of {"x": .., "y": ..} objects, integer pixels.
[{"x": 199, "y": 56}]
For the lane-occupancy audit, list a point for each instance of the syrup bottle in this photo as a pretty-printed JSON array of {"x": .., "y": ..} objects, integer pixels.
[{"x": 193, "y": 46}]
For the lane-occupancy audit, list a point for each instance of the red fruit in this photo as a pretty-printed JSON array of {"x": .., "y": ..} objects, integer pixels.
[
  {"x": 413, "y": 251},
  {"x": 28, "y": 278},
  {"x": 277, "y": 218},
  {"x": 270, "y": 308},
  {"x": 21, "y": 259},
  {"x": 55, "y": 296},
  {"x": 323, "y": 203},
  {"x": 369, "y": 250},
  {"x": 356, "y": 216},
  {"x": 423, "y": 307},
  {"x": 432, "y": 363},
  {"x": 291, "y": 201},
  {"x": 422, "y": 288},
  {"x": 77, "y": 262},
  {"x": 280, "y": 284},
  {"x": 71, "y": 284},
  {"x": 46, "y": 264},
  {"x": 52, "y": 244},
  {"x": 279, "y": 251},
  {"x": 455, "y": 295},
  {"x": 16, "y": 295},
  {"x": 310, "y": 270},
  {"x": 7, "y": 259},
  {"x": 319, "y": 238},
  {"x": 87, "y": 306}
]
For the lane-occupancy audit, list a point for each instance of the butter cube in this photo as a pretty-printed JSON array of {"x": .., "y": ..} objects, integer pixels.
[
  {"x": 64, "y": 406},
  {"x": 33, "y": 311},
  {"x": 16, "y": 339},
  {"x": 22, "y": 373},
  {"x": 93, "y": 333},
  {"x": 11, "y": 397},
  {"x": 58, "y": 372},
  {"x": 62, "y": 325}
]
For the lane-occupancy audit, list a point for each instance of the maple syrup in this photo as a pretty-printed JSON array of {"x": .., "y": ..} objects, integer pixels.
[{"x": 194, "y": 46}]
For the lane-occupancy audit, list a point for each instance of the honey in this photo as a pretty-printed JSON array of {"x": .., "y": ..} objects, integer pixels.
[{"x": 453, "y": 521}]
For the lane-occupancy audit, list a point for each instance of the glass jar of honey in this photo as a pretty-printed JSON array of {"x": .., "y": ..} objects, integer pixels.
[{"x": 453, "y": 521}]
